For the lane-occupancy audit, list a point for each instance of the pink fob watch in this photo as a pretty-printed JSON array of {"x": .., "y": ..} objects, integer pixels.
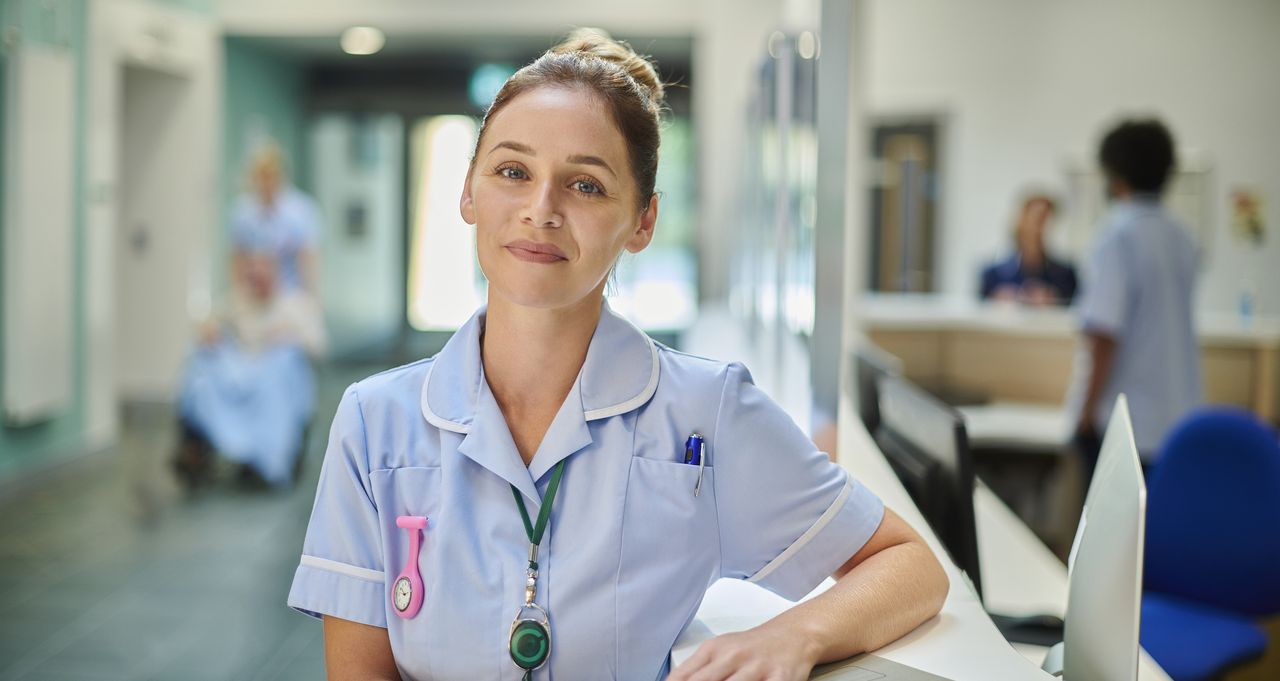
[{"x": 406, "y": 593}]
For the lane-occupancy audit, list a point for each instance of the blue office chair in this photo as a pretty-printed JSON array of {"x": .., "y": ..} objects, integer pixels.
[{"x": 1212, "y": 544}]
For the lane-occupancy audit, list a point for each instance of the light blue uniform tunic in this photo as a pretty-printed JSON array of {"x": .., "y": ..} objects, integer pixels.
[
  {"x": 1139, "y": 288},
  {"x": 252, "y": 406},
  {"x": 290, "y": 226},
  {"x": 629, "y": 551}
]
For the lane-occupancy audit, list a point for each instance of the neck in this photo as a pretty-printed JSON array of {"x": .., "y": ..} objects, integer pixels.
[{"x": 532, "y": 356}]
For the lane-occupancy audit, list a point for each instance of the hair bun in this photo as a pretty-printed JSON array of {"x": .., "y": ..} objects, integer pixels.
[{"x": 597, "y": 43}]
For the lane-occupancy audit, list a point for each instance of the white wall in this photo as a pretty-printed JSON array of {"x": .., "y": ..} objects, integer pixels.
[
  {"x": 1028, "y": 87},
  {"x": 133, "y": 354},
  {"x": 362, "y": 276}
]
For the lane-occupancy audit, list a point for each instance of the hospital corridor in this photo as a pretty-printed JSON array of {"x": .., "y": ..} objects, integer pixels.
[
  {"x": 107, "y": 576},
  {"x": 700, "y": 340}
]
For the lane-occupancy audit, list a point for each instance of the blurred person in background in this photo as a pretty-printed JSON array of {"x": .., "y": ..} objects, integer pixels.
[
  {"x": 1135, "y": 308},
  {"x": 276, "y": 218},
  {"x": 248, "y": 389},
  {"x": 1029, "y": 275}
]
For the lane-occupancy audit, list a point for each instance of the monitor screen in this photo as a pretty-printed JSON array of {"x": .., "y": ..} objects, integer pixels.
[
  {"x": 869, "y": 364},
  {"x": 925, "y": 443}
]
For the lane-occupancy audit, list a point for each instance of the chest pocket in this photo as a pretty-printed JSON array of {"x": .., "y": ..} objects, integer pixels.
[{"x": 670, "y": 554}]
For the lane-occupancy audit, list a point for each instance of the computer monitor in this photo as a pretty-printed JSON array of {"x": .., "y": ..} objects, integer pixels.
[
  {"x": 1104, "y": 570},
  {"x": 925, "y": 443},
  {"x": 869, "y": 364}
]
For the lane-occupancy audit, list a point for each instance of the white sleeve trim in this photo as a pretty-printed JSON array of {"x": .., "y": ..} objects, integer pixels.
[
  {"x": 805, "y": 538},
  {"x": 344, "y": 569}
]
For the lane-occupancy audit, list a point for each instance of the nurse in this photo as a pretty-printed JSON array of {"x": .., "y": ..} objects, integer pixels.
[
  {"x": 532, "y": 502},
  {"x": 277, "y": 218}
]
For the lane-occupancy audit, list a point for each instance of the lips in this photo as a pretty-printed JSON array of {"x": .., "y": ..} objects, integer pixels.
[{"x": 536, "y": 252}]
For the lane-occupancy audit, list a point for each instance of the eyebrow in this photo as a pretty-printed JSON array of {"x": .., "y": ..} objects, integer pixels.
[
  {"x": 592, "y": 161},
  {"x": 581, "y": 159}
]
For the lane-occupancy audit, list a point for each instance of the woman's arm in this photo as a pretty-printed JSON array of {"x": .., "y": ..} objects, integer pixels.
[
  {"x": 357, "y": 652},
  {"x": 889, "y": 587}
]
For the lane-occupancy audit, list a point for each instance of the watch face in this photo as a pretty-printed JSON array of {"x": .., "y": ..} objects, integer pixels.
[{"x": 403, "y": 593}]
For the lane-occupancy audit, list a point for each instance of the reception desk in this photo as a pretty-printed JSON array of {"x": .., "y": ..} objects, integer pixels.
[{"x": 1008, "y": 353}]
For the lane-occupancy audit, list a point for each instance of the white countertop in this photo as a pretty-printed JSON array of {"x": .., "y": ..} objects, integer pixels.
[
  {"x": 961, "y": 643},
  {"x": 911, "y": 311}
]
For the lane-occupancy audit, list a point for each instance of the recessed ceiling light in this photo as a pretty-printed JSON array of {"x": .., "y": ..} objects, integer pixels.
[{"x": 362, "y": 40}]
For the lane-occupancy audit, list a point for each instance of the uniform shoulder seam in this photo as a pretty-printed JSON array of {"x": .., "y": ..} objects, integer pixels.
[
  {"x": 398, "y": 369},
  {"x": 668, "y": 349}
]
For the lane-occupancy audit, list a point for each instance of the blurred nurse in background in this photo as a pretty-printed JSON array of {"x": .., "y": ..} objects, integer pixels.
[
  {"x": 276, "y": 218},
  {"x": 1137, "y": 326},
  {"x": 1029, "y": 275}
]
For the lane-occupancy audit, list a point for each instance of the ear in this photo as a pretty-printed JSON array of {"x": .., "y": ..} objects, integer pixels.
[
  {"x": 640, "y": 239},
  {"x": 466, "y": 205}
]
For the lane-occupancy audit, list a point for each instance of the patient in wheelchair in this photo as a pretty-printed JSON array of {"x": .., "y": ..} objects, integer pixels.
[{"x": 248, "y": 389}]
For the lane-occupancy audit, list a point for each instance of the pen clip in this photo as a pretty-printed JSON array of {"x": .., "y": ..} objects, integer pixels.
[{"x": 702, "y": 462}]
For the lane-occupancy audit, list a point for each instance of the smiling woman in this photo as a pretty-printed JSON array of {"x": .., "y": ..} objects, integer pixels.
[
  {"x": 536, "y": 470},
  {"x": 551, "y": 186}
]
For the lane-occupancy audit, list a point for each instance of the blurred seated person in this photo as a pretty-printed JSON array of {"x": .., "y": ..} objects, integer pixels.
[
  {"x": 1030, "y": 275},
  {"x": 248, "y": 389}
]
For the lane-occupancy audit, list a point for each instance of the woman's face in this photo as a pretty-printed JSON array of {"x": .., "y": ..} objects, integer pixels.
[{"x": 553, "y": 199}]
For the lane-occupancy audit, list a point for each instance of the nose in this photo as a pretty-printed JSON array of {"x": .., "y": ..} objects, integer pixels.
[{"x": 542, "y": 209}]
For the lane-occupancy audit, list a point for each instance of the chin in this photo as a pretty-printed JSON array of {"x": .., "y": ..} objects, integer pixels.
[{"x": 540, "y": 295}]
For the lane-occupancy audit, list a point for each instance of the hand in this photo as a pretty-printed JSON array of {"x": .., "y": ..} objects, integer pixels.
[
  {"x": 209, "y": 332},
  {"x": 759, "y": 654},
  {"x": 1006, "y": 293},
  {"x": 1085, "y": 428},
  {"x": 1037, "y": 294}
]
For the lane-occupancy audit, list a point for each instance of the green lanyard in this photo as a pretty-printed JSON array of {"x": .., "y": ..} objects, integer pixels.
[
  {"x": 535, "y": 532},
  {"x": 530, "y": 642}
]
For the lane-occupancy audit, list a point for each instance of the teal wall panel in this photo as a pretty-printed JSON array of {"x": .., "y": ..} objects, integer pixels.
[{"x": 60, "y": 23}]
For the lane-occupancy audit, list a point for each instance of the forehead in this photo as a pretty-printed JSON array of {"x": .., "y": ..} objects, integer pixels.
[{"x": 559, "y": 122}]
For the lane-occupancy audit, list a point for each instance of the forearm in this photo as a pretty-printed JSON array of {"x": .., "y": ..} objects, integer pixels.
[
  {"x": 883, "y": 598},
  {"x": 357, "y": 652},
  {"x": 1101, "y": 350}
]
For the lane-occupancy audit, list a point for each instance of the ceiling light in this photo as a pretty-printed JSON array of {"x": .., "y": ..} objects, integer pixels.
[{"x": 362, "y": 40}]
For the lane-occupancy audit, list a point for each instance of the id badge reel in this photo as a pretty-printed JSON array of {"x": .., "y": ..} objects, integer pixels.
[{"x": 530, "y": 642}]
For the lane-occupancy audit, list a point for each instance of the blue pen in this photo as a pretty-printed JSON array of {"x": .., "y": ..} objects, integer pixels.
[
  {"x": 693, "y": 450},
  {"x": 694, "y": 454}
]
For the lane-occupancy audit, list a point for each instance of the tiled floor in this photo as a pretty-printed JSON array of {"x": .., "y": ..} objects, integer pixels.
[{"x": 109, "y": 572}]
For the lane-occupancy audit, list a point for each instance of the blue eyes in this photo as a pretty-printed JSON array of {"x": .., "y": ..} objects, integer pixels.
[{"x": 587, "y": 187}]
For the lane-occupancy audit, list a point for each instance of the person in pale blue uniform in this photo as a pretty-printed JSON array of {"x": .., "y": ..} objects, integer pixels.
[
  {"x": 277, "y": 218},
  {"x": 247, "y": 390},
  {"x": 547, "y": 405},
  {"x": 1136, "y": 305}
]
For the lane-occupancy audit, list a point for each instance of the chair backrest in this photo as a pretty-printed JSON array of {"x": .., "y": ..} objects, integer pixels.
[{"x": 1213, "y": 513}]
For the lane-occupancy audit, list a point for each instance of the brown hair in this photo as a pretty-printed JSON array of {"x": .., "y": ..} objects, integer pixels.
[{"x": 626, "y": 82}]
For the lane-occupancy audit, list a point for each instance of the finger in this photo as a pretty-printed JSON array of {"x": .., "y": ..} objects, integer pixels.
[
  {"x": 718, "y": 668},
  {"x": 685, "y": 669}
]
